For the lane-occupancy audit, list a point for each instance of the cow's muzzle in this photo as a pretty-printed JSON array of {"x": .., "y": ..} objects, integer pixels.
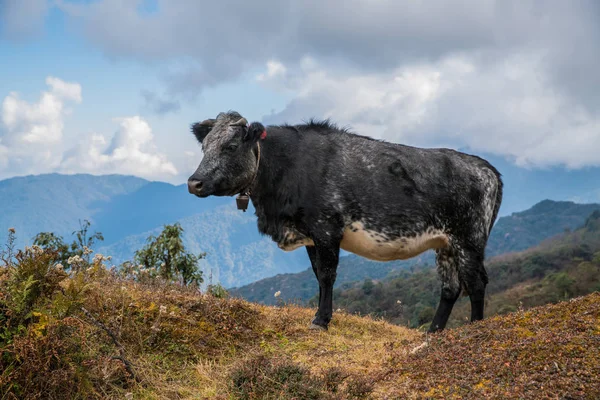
[{"x": 195, "y": 186}]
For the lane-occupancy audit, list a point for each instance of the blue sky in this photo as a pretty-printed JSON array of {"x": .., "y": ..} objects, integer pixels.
[{"x": 111, "y": 86}]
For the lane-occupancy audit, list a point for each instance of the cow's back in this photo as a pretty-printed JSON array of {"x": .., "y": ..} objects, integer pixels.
[{"x": 393, "y": 181}]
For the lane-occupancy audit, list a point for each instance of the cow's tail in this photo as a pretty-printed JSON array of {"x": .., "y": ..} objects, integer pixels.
[{"x": 497, "y": 199}]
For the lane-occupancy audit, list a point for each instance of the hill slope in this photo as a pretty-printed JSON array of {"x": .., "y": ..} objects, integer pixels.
[
  {"x": 522, "y": 230},
  {"x": 132, "y": 340},
  {"x": 512, "y": 233}
]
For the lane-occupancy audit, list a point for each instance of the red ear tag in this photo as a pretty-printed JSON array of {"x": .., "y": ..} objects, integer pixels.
[{"x": 263, "y": 134}]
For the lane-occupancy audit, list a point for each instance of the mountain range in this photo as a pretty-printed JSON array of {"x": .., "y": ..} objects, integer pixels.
[{"x": 128, "y": 209}]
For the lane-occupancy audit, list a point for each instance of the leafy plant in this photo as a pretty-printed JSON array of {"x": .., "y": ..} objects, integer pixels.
[
  {"x": 29, "y": 284},
  {"x": 80, "y": 247},
  {"x": 217, "y": 291},
  {"x": 167, "y": 254}
]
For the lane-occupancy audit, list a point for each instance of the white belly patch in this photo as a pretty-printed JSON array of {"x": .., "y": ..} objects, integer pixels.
[
  {"x": 374, "y": 245},
  {"x": 378, "y": 247}
]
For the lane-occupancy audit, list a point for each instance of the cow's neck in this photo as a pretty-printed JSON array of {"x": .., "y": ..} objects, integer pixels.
[
  {"x": 274, "y": 164},
  {"x": 248, "y": 189},
  {"x": 273, "y": 193}
]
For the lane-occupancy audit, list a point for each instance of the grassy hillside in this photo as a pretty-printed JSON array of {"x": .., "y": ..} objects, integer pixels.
[
  {"x": 516, "y": 232},
  {"x": 562, "y": 267},
  {"x": 98, "y": 334}
]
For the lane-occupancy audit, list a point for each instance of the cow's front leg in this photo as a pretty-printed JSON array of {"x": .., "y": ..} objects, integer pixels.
[
  {"x": 325, "y": 257},
  {"x": 312, "y": 254}
]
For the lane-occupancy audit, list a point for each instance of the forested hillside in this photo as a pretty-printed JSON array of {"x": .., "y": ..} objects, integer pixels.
[
  {"x": 558, "y": 269},
  {"x": 516, "y": 232}
]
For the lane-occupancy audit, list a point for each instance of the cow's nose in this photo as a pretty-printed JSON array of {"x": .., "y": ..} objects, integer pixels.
[{"x": 194, "y": 186}]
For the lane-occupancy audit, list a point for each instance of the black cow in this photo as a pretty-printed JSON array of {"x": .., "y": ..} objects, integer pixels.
[{"x": 322, "y": 187}]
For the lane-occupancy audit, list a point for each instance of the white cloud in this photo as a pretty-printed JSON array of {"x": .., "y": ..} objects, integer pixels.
[
  {"x": 65, "y": 90},
  {"x": 32, "y": 140},
  {"x": 274, "y": 69},
  {"x": 507, "y": 107},
  {"x": 40, "y": 122},
  {"x": 131, "y": 151},
  {"x": 510, "y": 77},
  {"x": 31, "y": 133}
]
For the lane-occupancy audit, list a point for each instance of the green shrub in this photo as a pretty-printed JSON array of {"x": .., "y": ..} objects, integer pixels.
[
  {"x": 166, "y": 254},
  {"x": 217, "y": 291}
]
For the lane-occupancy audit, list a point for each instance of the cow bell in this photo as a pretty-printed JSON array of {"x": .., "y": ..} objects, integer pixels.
[{"x": 242, "y": 202}]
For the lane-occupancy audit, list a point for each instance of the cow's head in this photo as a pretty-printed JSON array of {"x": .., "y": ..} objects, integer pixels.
[{"x": 230, "y": 159}]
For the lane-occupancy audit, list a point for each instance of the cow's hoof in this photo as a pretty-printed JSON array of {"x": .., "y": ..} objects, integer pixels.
[{"x": 316, "y": 327}]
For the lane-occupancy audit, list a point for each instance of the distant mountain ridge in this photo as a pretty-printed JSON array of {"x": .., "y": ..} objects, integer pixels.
[
  {"x": 149, "y": 207},
  {"x": 55, "y": 202},
  {"x": 127, "y": 209},
  {"x": 236, "y": 253}
]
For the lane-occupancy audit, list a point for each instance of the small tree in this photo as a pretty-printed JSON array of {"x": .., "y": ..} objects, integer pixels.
[
  {"x": 168, "y": 255},
  {"x": 81, "y": 246},
  {"x": 83, "y": 241},
  {"x": 425, "y": 315},
  {"x": 368, "y": 286}
]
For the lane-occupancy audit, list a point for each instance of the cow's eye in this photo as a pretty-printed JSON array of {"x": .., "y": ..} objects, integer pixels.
[{"x": 231, "y": 147}]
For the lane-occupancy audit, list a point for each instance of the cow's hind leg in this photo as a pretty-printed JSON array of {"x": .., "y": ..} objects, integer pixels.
[
  {"x": 447, "y": 265},
  {"x": 474, "y": 278}
]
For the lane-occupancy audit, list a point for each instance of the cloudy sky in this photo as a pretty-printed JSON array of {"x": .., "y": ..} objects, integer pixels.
[{"x": 111, "y": 86}]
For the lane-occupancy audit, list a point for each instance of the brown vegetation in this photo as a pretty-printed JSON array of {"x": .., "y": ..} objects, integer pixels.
[{"x": 97, "y": 332}]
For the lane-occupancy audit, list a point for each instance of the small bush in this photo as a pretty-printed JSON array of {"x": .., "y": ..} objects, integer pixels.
[
  {"x": 217, "y": 291},
  {"x": 360, "y": 387},
  {"x": 47, "y": 348},
  {"x": 262, "y": 377},
  {"x": 29, "y": 285},
  {"x": 167, "y": 255},
  {"x": 276, "y": 377}
]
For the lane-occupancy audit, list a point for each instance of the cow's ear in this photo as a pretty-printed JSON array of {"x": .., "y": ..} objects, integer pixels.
[
  {"x": 255, "y": 131},
  {"x": 201, "y": 129}
]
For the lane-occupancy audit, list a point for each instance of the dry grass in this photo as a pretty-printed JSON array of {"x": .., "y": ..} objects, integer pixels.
[
  {"x": 549, "y": 352},
  {"x": 186, "y": 345}
]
